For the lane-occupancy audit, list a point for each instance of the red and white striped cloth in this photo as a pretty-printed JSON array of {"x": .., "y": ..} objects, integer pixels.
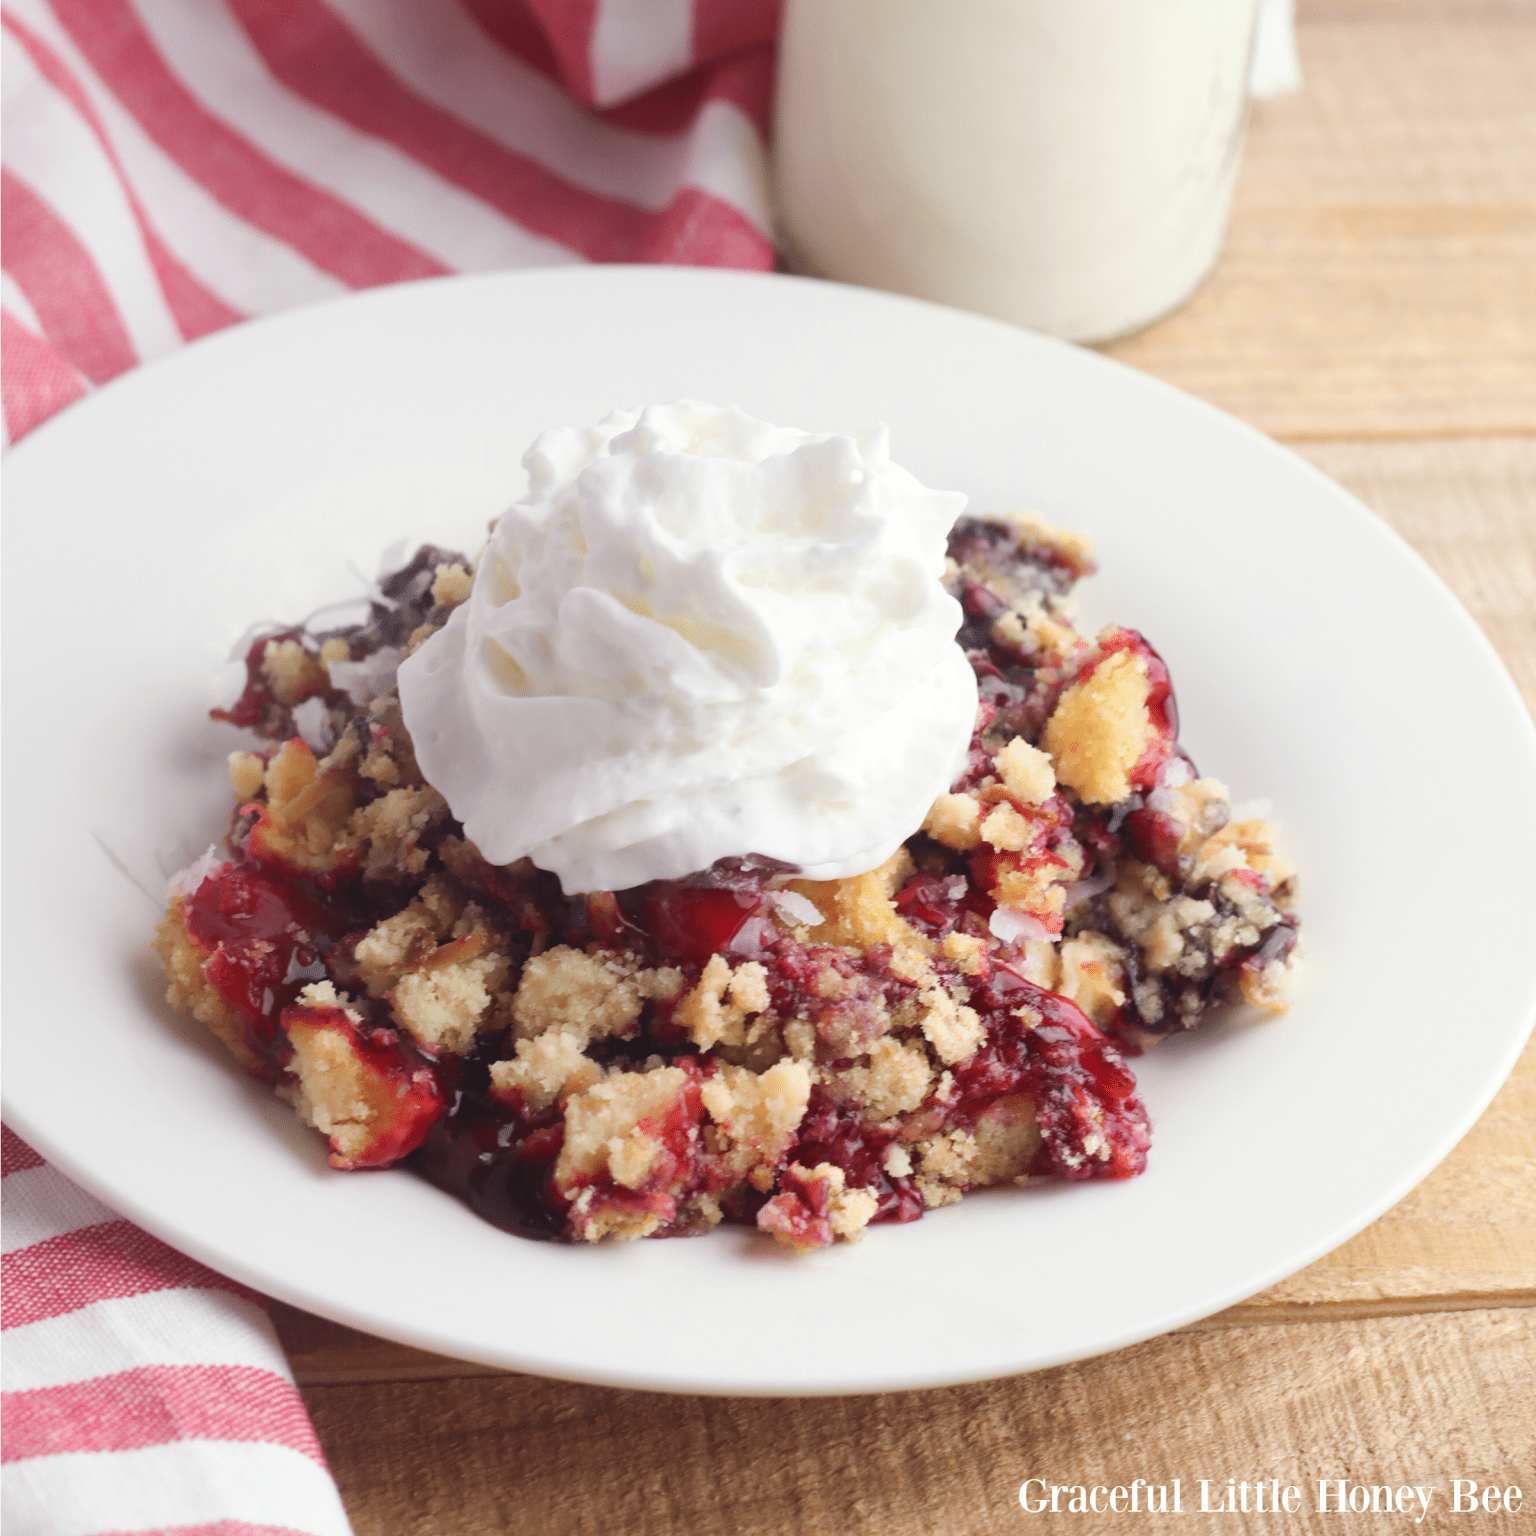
[
  {"x": 143, "y": 1392},
  {"x": 172, "y": 167}
]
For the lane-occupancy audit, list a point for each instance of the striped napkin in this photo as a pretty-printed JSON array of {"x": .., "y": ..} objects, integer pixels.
[
  {"x": 142, "y": 1391},
  {"x": 174, "y": 166}
]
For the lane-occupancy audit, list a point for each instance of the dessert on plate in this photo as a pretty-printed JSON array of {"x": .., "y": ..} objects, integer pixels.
[{"x": 746, "y": 835}]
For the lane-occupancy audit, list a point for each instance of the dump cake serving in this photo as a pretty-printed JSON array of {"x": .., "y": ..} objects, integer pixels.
[{"x": 747, "y": 835}]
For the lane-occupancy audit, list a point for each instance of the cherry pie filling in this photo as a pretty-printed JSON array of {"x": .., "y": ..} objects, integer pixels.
[{"x": 740, "y": 1045}]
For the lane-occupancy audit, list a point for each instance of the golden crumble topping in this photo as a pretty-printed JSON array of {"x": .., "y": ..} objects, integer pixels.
[
  {"x": 715, "y": 1012},
  {"x": 1074, "y": 547},
  {"x": 450, "y": 585},
  {"x": 758, "y": 1114},
  {"x": 291, "y": 672},
  {"x": 955, "y": 821},
  {"x": 443, "y": 1006},
  {"x": 1006, "y": 1139},
  {"x": 546, "y": 1067},
  {"x": 604, "y": 1130},
  {"x": 894, "y": 1081},
  {"x": 585, "y": 995},
  {"x": 334, "y": 1087},
  {"x": 846, "y": 1211},
  {"x": 861, "y": 911},
  {"x": 247, "y": 774},
  {"x": 397, "y": 944},
  {"x": 952, "y": 1028},
  {"x": 1093, "y": 975},
  {"x": 1026, "y": 771},
  {"x": 968, "y": 951},
  {"x": 387, "y": 833},
  {"x": 1101, "y": 728}
]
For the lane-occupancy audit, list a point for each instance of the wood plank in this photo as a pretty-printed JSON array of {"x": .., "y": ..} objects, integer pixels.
[
  {"x": 1391, "y": 1401},
  {"x": 323, "y": 1353},
  {"x": 1379, "y": 277}
]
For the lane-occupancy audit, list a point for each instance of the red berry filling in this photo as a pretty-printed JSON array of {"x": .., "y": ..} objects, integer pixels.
[
  {"x": 1092, "y": 1123},
  {"x": 265, "y": 942}
]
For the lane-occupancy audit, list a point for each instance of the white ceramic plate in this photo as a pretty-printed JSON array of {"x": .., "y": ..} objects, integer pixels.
[{"x": 1317, "y": 661}]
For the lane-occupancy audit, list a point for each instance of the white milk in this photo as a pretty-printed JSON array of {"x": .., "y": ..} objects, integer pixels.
[{"x": 1064, "y": 164}]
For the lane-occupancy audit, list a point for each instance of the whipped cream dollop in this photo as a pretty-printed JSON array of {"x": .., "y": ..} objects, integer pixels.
[{"x": 699, "y": 636}]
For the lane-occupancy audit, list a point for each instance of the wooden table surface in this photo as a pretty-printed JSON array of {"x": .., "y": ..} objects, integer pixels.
[{"x": 1375, "y": 308}]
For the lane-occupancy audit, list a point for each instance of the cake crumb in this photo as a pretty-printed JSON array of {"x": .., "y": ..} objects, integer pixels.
[
  {"x": 592, "y": 1222},
  {"x": 291, "y": 672},
  {"x": 1007, "y": 1137},
  {"x": 306, "y": 813},
  {"x": 1101, "y": 727},
  {"x": 895, "y": 1081},
  {"x": 323, "y": 994},
  {"x": 570, "y": 990},
  {"x": 603, "y": 1133},
  {"x": 386, "y": 833},
  {"x": 861, "y": 911},
  {"x": 442, "y": 1008},
  {"x": 1053, "y": 637},
  {"x": 1253, "y": 842},
  {"x": 450, "y": 585},
  {"x": 944, "y": 1166},
  {"x": 1006, "y": 830},
  {"x": 247, "y": 774},
  {"x": 759, "y": 1114},
  {"x": 955, "y": 821},
  {"x": 632, "y": 1158},
  {"x": 1075, "y": 549},
  {"x": 1265, "y": 986},
  {"x": 545, "y": 1068},
  {"x": 190, "y": 991},
  {"x": 397, "y": 944},
  {"x": 954, "y": 1030},
  {"x": 369, "y": 1114},
  {"x": 851, "y": 1211},
  {"x": 715, "y": 1011},
  {"x": 1036, "y": 888},
  {"x": 967, "y": 952},
  {"x": 1026, "y": 772},
  {"x": 1093, "y": 975},
  {"x": 814, "y": 1208},
  {"x": 800, "y": 1039},
  {"x": 1008, "y": 629}
]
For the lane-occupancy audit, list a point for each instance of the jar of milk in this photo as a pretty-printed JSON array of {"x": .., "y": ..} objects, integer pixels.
[{"x": 1064, "y": 164}]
